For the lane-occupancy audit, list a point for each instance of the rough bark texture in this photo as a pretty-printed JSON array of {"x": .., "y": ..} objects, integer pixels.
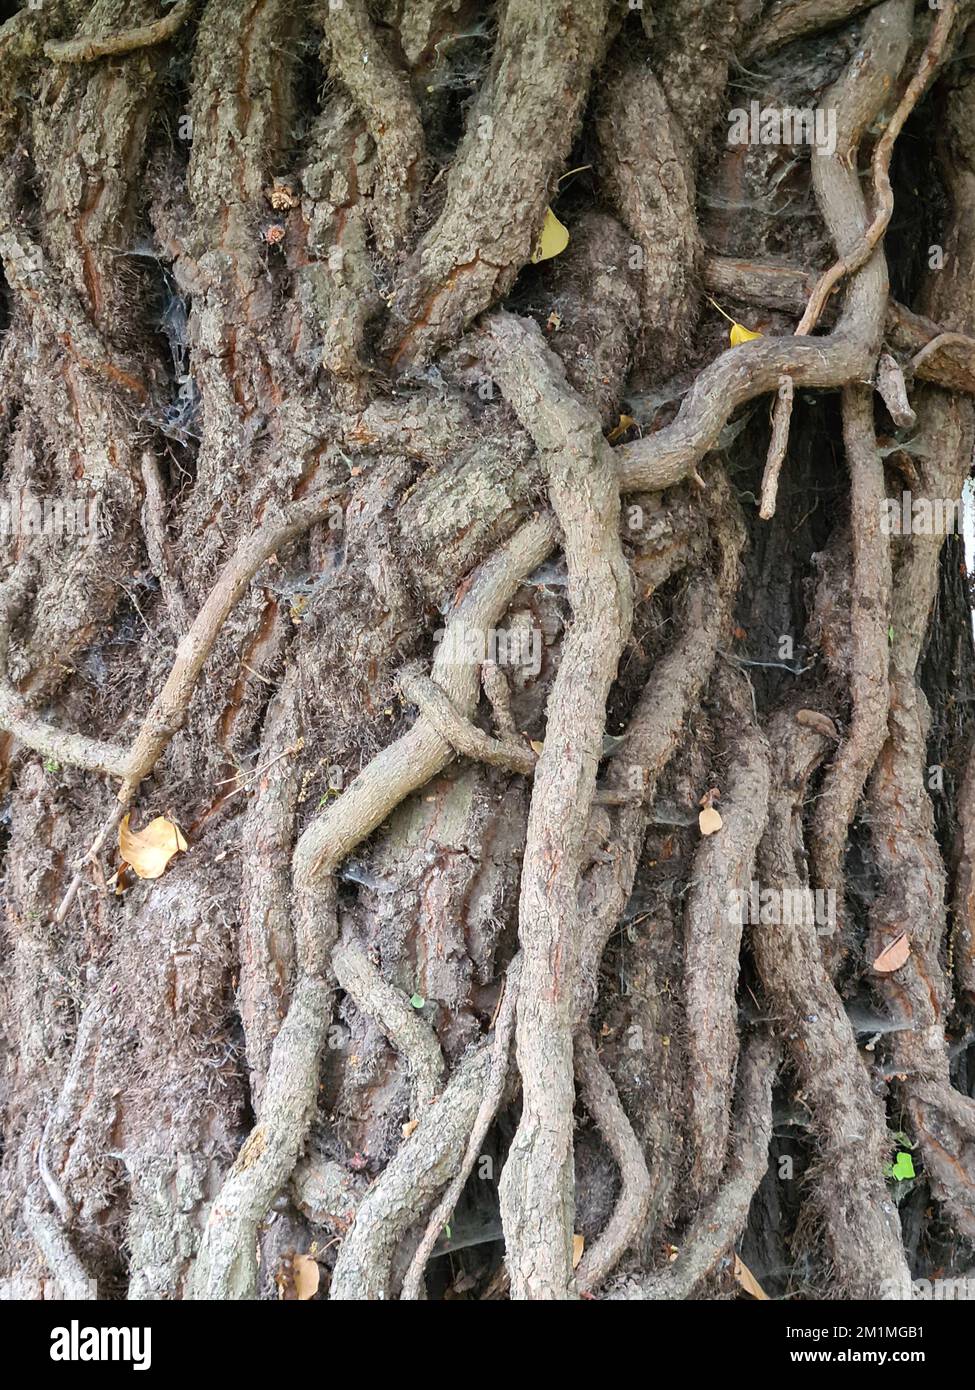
[{"x": 573, "y": 745}]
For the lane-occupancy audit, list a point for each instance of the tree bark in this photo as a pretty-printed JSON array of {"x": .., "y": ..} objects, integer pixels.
[{"x": 564, "y": 702}]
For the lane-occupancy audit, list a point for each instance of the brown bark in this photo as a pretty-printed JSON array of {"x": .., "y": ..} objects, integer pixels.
[{"x": 436, "y": 590}]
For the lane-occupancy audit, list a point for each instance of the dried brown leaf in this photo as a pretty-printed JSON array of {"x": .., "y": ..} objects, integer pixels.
[
  {"x": 307, "y": 1276},
  {"x": 748, "y": 1281},
  {"x": 892, "y": 957},
  {"x": 148, "y": 851}
]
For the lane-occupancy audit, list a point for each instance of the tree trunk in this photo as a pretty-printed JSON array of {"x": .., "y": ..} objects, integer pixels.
[{"x": 552, "y": 698}]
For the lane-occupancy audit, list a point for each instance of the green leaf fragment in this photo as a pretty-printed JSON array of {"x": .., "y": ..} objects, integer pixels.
[{"x": 902, "y": 1168}]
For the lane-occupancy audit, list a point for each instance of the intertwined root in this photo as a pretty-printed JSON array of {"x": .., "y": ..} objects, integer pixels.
[{"x": 454, "y": 489}]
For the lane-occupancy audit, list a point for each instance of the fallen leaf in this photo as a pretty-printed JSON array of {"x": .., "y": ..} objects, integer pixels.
[
  {"x": 307, "y": 1276},
  {"x": 578, "y": 1245},
  {"x": 892, "y": 957},
  {"x": 553, "y": 240},
  {"x": 417, "y": 1000},
  {"x": 537, "y": 747},
  {"x": 409, "y": 1127},
  {"x": 626, "y": 422},
  {"x": 748, "y": 1281},
  {"x": 709, "y": 821},
  {"x": 902, "y": 1168},
  {"x": 740, "y": 334},
  {"x": 148, "y": 851}
]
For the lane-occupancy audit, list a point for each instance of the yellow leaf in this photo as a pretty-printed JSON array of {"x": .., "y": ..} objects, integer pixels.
[
  {"x": 553, "y": 240},
  {"x": 578, "y": 1245},
  {"x": 709, "y": 821},
  {"x": 536, "y": 745},
  {"x": 409, "y": 1128},
  {"x": 307, "y": 1276},
  {"x": 740, "y": 334},
  {"x": 626, "y": 422},
  {"x": 748, "y": 1282},
  {"x": 148, "y": 851}
]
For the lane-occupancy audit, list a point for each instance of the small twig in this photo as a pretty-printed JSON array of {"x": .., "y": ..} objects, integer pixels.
[
  {"x": 779, "y": 443},
  {"x": 260, "y": 771},
  {"x": 87, "y": 49},
  {"x": 768, "y": 665},
  {"x": 96, "y": 845}
]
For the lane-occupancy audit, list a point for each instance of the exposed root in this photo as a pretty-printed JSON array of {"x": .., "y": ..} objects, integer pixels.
[
  {"x": 779, "y": 443},
  {"x": 76, "y": 750},
  {"x": 912, "y": 875},
  {"x": 383, "y": 95},
  {"x": 627, "y": 1223},
  {"x": 848, "y": 1124},
  {"x": 946, "y": 359},
  {"x": 168, "y": 711},
  {"x": 392, "y": 1012},
  {"x": 154, "y": 529},
  {"x": 893, "y": 392},
  {"x": 538, "y": 1177},
  {"x": 495, "y": 205},
  {"x": 652, "y": 736},
  {"x": 107, "y": 829},
  {"x": 226, "y": 1263},
  {"x": 71, "y": 1278},
  {"x": 267, "y": 947},
  {"x": 423, "y": 1166},
  {"x": 787, "y": 20},
  {"x": 964, "y": 906},
  {"x": 409, "y": 763},
  {"x": 722, "y": 1220},
  {"x": 493, "y": 1093},
  {"x": 722, "y": 868},
  {"x": 86, "y": 49},
  {"x": 883, "y": 195},
  {"x": 869, "y": 623},
  {"x": 653, "y": 190},
  {"x": 464, "y": 737}
]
